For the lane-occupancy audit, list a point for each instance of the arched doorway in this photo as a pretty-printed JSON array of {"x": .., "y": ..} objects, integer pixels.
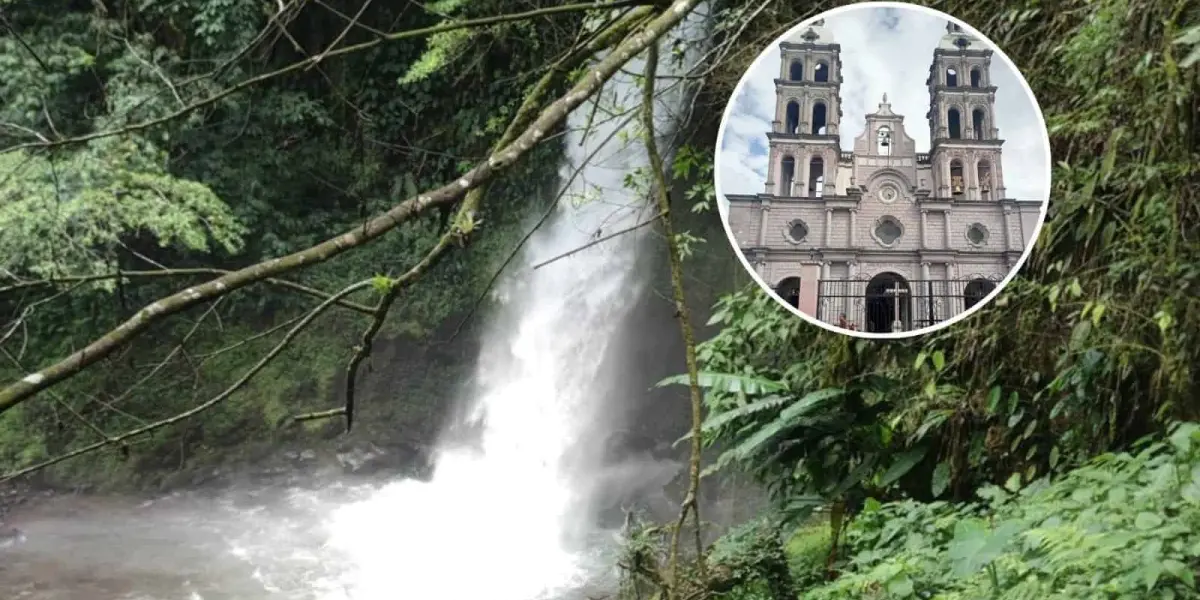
[
  {"x": 789, "y": 290},
  {"x": 883, "y": 309},
  {"x": 975, "y": 291}
]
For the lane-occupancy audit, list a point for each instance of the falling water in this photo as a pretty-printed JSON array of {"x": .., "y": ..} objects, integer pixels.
[
  {"x": 495, "y": 519},
  {"x": 508, "y": 517}
]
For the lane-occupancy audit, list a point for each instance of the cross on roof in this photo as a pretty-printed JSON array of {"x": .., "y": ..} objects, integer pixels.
[{"x": 810, "y": 36}]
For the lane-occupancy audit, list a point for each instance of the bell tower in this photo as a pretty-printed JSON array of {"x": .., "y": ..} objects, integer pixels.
[
  {"x": 965, "y": 143},
  {"x": 804, "y": 146}
]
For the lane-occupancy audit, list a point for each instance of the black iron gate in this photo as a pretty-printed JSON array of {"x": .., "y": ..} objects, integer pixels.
[{"x": 889, "y": 303}]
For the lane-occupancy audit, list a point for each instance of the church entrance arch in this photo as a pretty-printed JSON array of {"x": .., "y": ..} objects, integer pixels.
[
  {"x": 789, "y": 290},
  {"x": 888, "y": 300}
]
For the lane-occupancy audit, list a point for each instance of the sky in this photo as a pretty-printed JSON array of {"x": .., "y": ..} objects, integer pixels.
[{"x": 883, "y": 50}]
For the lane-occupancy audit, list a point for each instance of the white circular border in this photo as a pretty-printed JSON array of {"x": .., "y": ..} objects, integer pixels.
[{"x": 1037, "y": 230}]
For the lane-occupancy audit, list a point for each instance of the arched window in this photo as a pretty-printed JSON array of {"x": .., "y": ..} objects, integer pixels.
[
  {"x": 977, "y": 123},
  {"x": 984, "y": 172},
  {"x": 976, "y": 291},
  {"x": 976, "y": 77},
  {"x": 788, "y": 175},
  {"x": 818, "y": 119},
  {"x": 796, "y": 71},
  {"x": 789, "y": 290},
  {"x": 956, "y": 177},
  {"x": 822, "y": 72},
  {"x": 792, "y": 118},
  {"x": 816, "y": 177},
  {"x": 953, "y": 123},
  {"x": 951, "y": 77},
  {"x": 884, "y": 137}
]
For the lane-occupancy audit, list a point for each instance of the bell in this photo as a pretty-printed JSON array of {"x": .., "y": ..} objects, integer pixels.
[{"x": 957, "y": 189}]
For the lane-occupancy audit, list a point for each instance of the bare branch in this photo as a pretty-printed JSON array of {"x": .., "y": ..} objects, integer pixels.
[
  {"x": 659, "y": 188},
  {"x": 599, "y": 240},
  {"x": 166, "y": 272},
  {"x": 237, "y": 385},
  {"x": 549, "y": 118}
]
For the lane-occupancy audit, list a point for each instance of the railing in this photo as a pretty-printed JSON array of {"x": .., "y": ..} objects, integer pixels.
[{"x": 872, "y": 305}]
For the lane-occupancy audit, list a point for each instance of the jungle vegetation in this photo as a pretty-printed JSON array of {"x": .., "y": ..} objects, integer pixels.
[{"x": 213, "y": 211}]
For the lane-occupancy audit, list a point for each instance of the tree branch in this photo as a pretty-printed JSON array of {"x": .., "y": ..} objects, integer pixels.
[
  {"x": 659, "y": 188},
  {"x": 77, "y": 279},
  {"x": 470, "y": 205},
  {"x": 237, "y": 385},
  {"x": 549, "y": 118},
  {"x": 599, "y": 241}
]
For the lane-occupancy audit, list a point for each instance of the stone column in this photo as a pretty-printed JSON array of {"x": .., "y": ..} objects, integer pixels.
[
  {"x": 946, "y": 232},
  {"x": 924, "y": 228},
  {"x": 853, "y": 228},
  {"x": 925, "y": 271},
  {"x": 824, "y": 269},
  {"x": 764, "y": 213},
  {"x": 828, "y": 226},
  {"x": 944, "y": 185},
  {"x": 852, "y": 269},
  {"x": 1008, "y": 241},
  {"x": 972, "y": 178},
  {"x": 773, "y": 160},
  {"x": 801, "y": 182}
]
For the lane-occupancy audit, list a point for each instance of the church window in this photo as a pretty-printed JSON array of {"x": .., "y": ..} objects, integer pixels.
[
  {"x": 885, "y": 140},
  {"x": 951, "y": 77},
  {"x": 977, "y": 123},
  {"x": 977, "y": 234},
  {"x": 797, "y": 231},
  {"x": 984, "y": 172},
  {"x": 953, "y": 123},
  {"x": 821, "y": 73},
  {"x": 788, "y": 176},
  {"x": 796, "y": 71},
  {"x": 888, "y": 230},
  {"x": 792, "y": 117},
  {"x": 956, "y": 177},
  {"x": 976, "y": 77},
  {"x": 976, "y": 291},
  {"x": 818, "y": 119},
  {"x": 816, "y": 177}
]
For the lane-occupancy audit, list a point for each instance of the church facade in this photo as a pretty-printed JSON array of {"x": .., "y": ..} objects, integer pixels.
[{"x": 883, "y": 238}]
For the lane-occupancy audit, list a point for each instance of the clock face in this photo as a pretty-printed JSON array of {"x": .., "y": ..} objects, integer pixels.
[{"x": 888, "y": 194}]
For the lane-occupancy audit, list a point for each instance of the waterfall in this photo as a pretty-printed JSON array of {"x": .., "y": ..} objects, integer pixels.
[{"x": 496, "y": 519}]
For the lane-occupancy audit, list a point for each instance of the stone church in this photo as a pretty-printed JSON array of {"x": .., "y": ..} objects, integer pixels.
[{"x": 883, "y": 238}]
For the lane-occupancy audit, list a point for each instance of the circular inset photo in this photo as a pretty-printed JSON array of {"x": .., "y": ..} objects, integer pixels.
[{"x": 883, "y": 170}]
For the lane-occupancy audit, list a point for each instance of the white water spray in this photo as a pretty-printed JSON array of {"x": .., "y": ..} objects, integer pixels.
[{"x": 494, "y": 521}]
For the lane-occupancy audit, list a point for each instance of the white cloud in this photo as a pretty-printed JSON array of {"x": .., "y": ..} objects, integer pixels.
[{"x": 883, "y": 50}]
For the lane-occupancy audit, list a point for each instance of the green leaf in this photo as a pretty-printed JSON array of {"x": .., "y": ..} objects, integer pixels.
[
  {"x": 1146, "y": 521},
  {"x": 900, "y": 587},
  {"x": 939, "y": 360},
  {"x": 902, "y": 465},
  {"x": 941, "y": 479},
  {"x": 724, "y": 382},
  {"x": 1180, "y": 571}
]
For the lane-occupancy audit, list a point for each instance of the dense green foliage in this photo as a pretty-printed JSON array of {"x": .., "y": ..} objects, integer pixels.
[
  {"x": 1091, "y": 348},
  {"x": 247, "y": 176},
  {"x": 1122, "y": 526}
]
